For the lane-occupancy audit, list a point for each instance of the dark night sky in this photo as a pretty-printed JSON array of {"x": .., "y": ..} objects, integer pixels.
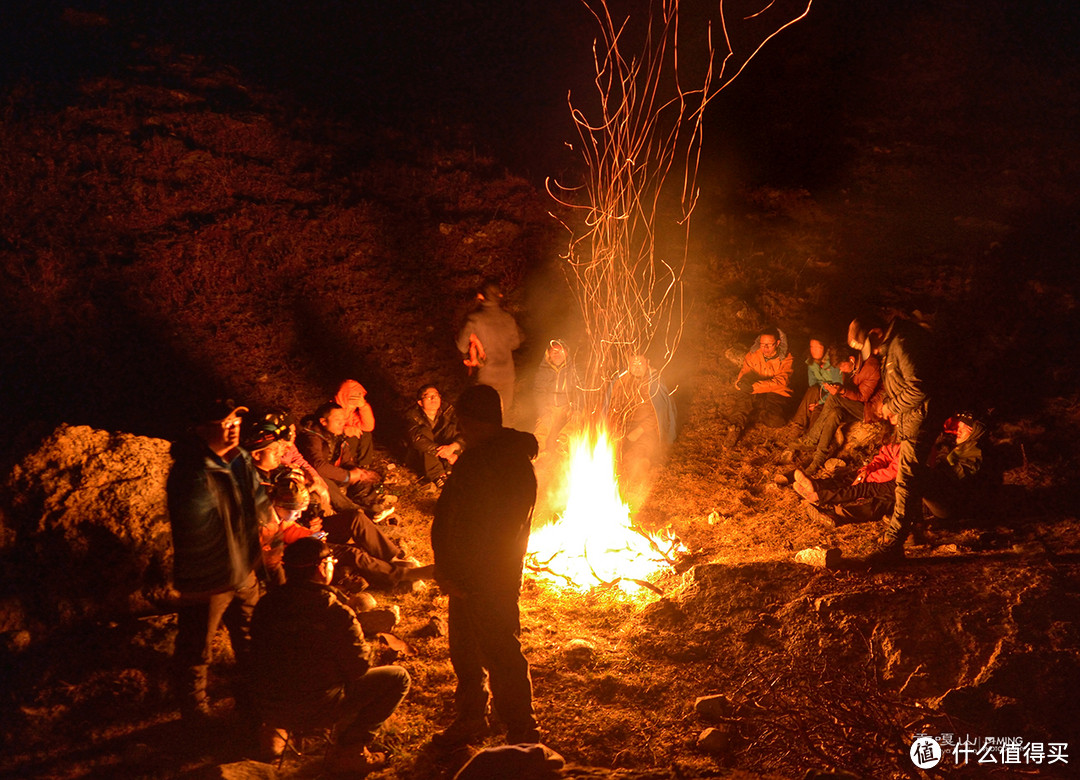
[{"x": 507, "y": 66}]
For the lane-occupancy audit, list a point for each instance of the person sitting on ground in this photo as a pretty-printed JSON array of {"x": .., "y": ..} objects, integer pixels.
[
  {"x": 261, "y": 440},
  {"x": 767, "y": 368},
  {"x": 359, "y": 422},
  {"x": 434, "y": 440},
  {"x": 956, "y": 483},
  {"x": 322, "y": 443},
  {"x": 823, "y": 368},
  {"x": 312, "y": 667},
  {"x": 843, "y": 403},
  {"x": 270, "y": 441},
  {"x": 278, "y": 425},
  {"x": 641, "y": 417},
  {"x": 868, "y": 498},
  {"x": 557, "y": 389},
  {"x": 951, "y": 485},
  {"x": 367, "y": 553}
]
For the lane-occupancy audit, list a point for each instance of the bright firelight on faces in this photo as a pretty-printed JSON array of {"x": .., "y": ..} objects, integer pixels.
[{"x": 593, "y": 541}]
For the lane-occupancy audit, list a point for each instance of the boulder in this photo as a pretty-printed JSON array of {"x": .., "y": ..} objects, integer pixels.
[
  {"x": 84, "y": 530},
  {"x": 713, "y": 708}
]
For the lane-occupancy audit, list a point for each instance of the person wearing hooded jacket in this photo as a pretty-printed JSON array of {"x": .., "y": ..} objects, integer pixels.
[
  {"x": 498, "y": 335},
  {"x": 640, "y": 414},
  {"x": 557, "y": 389},
  {"x": 359, "y": 422},
  {"x": 216, "y": 507},
  {"x": 768, "y": 367},
  {"x": 957, "y": 482},
  {"x": 480, "y": 535}
]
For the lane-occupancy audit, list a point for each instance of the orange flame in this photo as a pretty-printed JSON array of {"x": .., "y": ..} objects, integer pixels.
[{"x": 594, "y": 541}]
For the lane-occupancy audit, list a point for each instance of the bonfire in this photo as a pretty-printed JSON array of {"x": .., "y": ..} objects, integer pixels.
[{"x": 593, "y": 541}]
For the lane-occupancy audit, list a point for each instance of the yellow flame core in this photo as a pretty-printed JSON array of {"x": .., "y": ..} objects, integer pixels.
[{"x": 594, "y": 541}]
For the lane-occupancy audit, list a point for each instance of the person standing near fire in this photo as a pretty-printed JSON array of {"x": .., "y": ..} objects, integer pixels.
[
  {"x": 488, "y": 340},
  {"x": 479, "y": 535},
  {"x": 558, "y": 393},
  {"x": 641, "y": 416}
]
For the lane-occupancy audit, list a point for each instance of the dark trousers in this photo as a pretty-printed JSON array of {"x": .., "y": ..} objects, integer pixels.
[
  {"x": 766, "y": 408},
  {"x": 368, "y": 702},
  {"x": 426, "y": 465},
  {"x": 805, "y": 416},
  {"x": 862, "y": 503},
  {"x": 356, "y": 709},
  {"x": 359, "y": 450},
  {"x": 836, "y": 411},
  {"x": 485, "y": 649},
  {"x": 198, "y": 620},
  {"x": 361, "y": 545},
  {"x": 917, "y": 433}
]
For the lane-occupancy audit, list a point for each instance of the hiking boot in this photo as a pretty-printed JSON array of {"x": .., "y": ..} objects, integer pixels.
[
  {"x": 804, "y": 486},
  {"x": 383, "y": 513},
  {"x": 353, "y": 760},
  {"x": 734, "y": 433},
  {"x": 463, "y": 731},
  {"x": 883, "y": 551}
]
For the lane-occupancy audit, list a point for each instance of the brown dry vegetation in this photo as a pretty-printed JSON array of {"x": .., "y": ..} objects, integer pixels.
[{"x": 175, "y": 227}]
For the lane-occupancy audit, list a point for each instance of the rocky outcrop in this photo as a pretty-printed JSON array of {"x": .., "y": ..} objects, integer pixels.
[{"x": 84, "y": 531}]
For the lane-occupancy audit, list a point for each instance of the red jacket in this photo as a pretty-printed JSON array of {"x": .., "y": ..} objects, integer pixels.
[
  {"x": 884, "y": 465},
  {"x": 863, "y": 385},
  {"x": 361, "y": 419}
]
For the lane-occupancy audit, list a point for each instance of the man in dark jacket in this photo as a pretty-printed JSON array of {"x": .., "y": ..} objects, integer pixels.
[
  {"x": 909, "y": 387},
  {"x": 480, "y": 535},
  {"x": 312, "y": 667},
  {"x": 434, "y": 439},
  {"x": 216, "y": 505},
  {"x": 322, "y": 443}
]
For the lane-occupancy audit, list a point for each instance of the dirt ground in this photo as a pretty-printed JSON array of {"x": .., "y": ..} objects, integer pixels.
[{"x": 168, "y": 225}]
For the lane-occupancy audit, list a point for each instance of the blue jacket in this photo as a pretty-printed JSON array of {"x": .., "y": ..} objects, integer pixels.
[{"x": 216, "y": 506}]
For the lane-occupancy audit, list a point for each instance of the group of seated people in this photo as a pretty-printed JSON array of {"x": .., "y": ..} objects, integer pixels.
[
  {"x": 952, "y": 486},
  {"x": 845, "y": 386}
]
